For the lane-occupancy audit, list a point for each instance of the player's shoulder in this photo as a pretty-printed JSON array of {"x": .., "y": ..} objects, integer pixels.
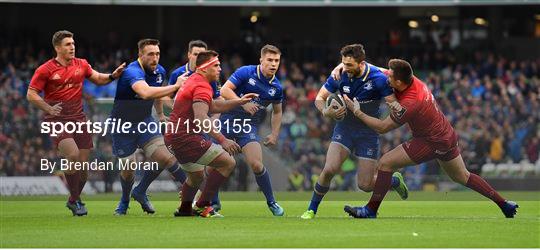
[
  {"x": 79, "y": 61},
  {"x": 134, "y": 67},
  {"x": 47, "y": 67},
  {"x": 180, "y": 70},
  {"x": 161, "y": 69},
  {"x": 376, "y": 73}
]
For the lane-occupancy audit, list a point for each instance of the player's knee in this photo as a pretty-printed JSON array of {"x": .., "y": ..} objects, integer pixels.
[
  {"x": 462, "y": 177},
  {"x": 229, "y": 163},
  {"x": 256, "y": 166},
  {"x": 364, "y": 185},
  {"x": 127, "y": 174},
  {"x": 385, "y": 164},
  {"x": 195, "y": 179},
  {"x": 72, "y": 156}
]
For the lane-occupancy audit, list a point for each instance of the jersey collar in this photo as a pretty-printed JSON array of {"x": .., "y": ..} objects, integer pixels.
[
  {"x": 365, "y": 75},
  {"x": 259, "y": 74},
  {"x": 187, "y": 69}
]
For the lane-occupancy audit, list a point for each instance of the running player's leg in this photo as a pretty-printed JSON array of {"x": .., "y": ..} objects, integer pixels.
[
  {"x": 69, "y": 150},
  {"x": 124, "y": 147},
  {"x": 455, "y": 168},
  {"x": 336, "y": 155},
  {"x": 84, "y": 156},
  {"x": 156, "y": 151},
  {"x": 253, "y": 153},
  {"x": 189, "y": 189},
  {"x": 389, "y": 162},
  {"x": 367, "y": 175}
]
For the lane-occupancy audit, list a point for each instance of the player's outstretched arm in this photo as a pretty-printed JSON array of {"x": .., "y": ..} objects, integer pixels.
[
  {"x": 380, "y": 126},
  {"x": 33, "y": 97},
  {"x": 102, "y": 79},
  {"x": 221, "y": 105},
  {"x": 227, "y": 92},
  {"x": 146, "y": 92},
  {"x": 277, "y": 113}
]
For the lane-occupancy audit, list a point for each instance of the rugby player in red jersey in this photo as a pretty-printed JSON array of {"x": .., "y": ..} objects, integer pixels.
[
  {"x": 189, "y": 142},
  {"x": 433, "y": 138},
  {"x": 61, "y": 80}
]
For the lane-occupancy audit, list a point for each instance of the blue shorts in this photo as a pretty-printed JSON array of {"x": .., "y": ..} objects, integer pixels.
[
  {"x": 125, "y": 144},
  {"x": 363, "y": 143},
  {"x": 242, "y": 138}
]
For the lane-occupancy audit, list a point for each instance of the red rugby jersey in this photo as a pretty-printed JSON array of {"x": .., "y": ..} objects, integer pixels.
[
  {"x": 425, "y": 119},
  {"x": 196, "y": 88},
  {"x": 62, "y": 84}
]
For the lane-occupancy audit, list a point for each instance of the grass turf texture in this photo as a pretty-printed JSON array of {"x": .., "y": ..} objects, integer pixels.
[{"x": 427, "y": 219}]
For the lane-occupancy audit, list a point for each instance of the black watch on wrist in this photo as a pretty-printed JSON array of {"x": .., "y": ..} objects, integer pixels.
[{"x": 111, "y": 77}]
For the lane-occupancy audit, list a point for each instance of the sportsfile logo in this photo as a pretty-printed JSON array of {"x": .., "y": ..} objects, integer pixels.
[{"x": 118, "y": 126}]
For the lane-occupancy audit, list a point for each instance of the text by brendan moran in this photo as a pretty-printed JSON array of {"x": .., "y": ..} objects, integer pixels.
[{"x": 64, "y": 165}]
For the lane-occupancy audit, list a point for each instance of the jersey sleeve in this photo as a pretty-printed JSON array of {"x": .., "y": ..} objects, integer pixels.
[
  {"x": 174, "y": 76},
  {"x": 381, "y": 83},
  {"x": 133, "y": 75},
  {"x": 240, "y": 76},
  {"x": 39, "y": 79},
  {"x": 279, "y": 96},
  {"x": 406, "y": 113},
  {"x": 202, "y": 93},
  {"x": 87, "y": 68},
  {"x": 331, "y": 84}
]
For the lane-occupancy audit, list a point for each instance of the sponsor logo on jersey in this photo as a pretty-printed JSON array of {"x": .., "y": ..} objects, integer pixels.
[
  {"x": 159, "y": 78},
  {"x": 370, "y": 152},
  {"x": 56, "y": 76},
  {"x": 399, "y": 113},
  {"x": 338, "y": 137},
  {"x": 252, "y": 82},
  {"x": 346, "y": 89}
]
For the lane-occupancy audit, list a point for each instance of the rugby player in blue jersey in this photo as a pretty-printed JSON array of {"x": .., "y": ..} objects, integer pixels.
[
  {"x": 241, "y": 124},
  {"x": 368, "y": 85},
  {"x": 136, "y": 90}
]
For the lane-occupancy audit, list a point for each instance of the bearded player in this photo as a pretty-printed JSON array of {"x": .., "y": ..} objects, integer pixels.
[
  {"x": 367, "y": 83},
  {"x": 61, "y": 80},
  {"x": 433, "y": 138}
]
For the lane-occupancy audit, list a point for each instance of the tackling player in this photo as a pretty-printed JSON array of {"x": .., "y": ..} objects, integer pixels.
[
  {"x": 366, "y": 83},
  {"x": 433, "y": 138},
  {"x": 189, "y": 142},
  {"x": 61, "y": 80},
  {"x": 258, "y": 79},
  {"x": 140, "y": 84}
]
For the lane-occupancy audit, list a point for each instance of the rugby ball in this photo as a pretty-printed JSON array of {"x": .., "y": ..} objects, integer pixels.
[{"x": 335, "y": 101}]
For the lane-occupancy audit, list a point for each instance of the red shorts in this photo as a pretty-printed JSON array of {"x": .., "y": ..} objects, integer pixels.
[
  {"x": 188, "y": 148},
  {"x": 83, "y": 139},
  {"x": 420, "y": 150}
]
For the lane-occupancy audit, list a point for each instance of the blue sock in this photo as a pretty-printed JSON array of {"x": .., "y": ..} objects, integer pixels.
[
  {"x": 317, "y": 197},
  {"x": 263, "y": 180},
  {"x": 126, "y": 189},
  {"x": 148, "y": 177},
  {"x": 177, "y": 172},
  {"x": 395, "y": 182},
  {"x": 215, "y": 199}
]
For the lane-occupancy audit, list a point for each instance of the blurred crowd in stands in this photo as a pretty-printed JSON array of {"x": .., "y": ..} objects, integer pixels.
[{"x": 493, "y": 102}]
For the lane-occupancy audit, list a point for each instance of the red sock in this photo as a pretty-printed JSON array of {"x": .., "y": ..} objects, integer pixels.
[
  {"x": 84, "y": 177},
  {"x": 382, "y": 185},
  {"x": 213, "y": 182},
  {"x": 479, "y": 185},
  {"x": 73, "y": 181},
  {"x": 188, "y": 193}
]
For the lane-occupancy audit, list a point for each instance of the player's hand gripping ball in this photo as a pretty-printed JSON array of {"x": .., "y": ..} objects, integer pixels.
[{"x": 336, "y": 107}]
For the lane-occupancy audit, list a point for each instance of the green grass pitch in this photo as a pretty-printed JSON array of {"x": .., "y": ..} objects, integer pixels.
[{"x": 427, "y": 219}]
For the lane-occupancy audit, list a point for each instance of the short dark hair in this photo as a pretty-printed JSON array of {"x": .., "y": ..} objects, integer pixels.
[
  {"x": 204, "y": 56},
  {"x": 59, "y": 36},
  {"x": 402, "y": 70},
  {"x": 147, "y": 41},
  {"x": 197, "y": 43},
  {"x": 270, "y": 49},
  {"x": 356, "y": 51}
]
